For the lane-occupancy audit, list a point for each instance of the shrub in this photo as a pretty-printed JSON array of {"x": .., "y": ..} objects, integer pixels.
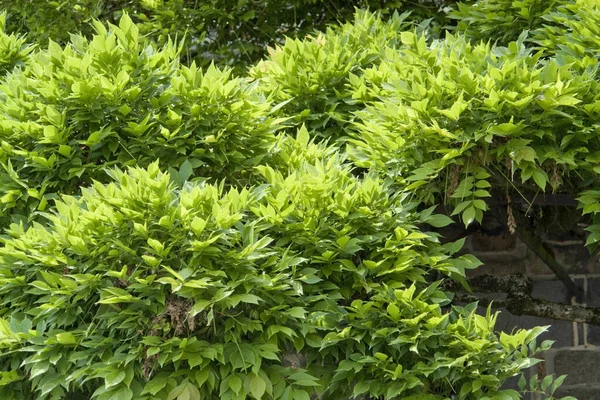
[
  {"x": 139, "y": 290},
  {"x": 257, "y": 264},
  {"x": 227, "y": 32},
  {"x": 311, "y": 76},
  {"x": 116, "y": 100},
  {"x": 454, "y": 119},
  {"x": 42, "y": 20},
  {"x": 501, "y": 21},
  {"x": 570, "y": 33}
]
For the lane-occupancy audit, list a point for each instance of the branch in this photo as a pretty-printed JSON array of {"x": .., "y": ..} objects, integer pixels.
[
  {"x": 519, "y": 301},
  {"x": 539, "y": 248},
  {"x": 535, "y": 244},
  {"x": 538, "y": 308},
  {"x": 543, "y": 199}
]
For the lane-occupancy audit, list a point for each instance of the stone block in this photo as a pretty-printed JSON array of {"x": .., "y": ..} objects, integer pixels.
[
  {"x": 551, "y": 290},
  {"x": 499, "y": 266},
  {"x": 593, "y": 265},
  {"x": 581, "y": 366},
  {"x": 536, "y": 267},
  {"x": 498, "y": 248},
  {"x": 574, "y": 258},
  {"x": 562, "y": 236},
  {"x": 483, "y": 243},
  {"x": 592, "y": 298},
  {"x": 593, "y": 335}
]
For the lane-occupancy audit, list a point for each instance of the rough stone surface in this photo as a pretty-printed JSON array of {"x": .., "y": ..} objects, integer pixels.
[
  {"x": 574, "y": 258},
  {"x": 481, "y": 242},
  {"x": 568, "y": 232},
  {"x": 593, "y": 265},
  {"x": 592, "y": 298},
  {"x": 593, "y": 337},
  {"x": 503, "y": 247},
  {"x": 499, "y": 266},
  {"x": 551, "y": 290},
  {"x": 581, "y": 366}
]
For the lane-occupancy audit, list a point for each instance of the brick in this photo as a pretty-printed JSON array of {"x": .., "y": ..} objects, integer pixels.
[
  {"x": 451, "y": 232},
  {"x": 592, "y": 298},
  {"x": 499, "y": 266},
  {"x": 561, "y": 235},
  {"x": 504, "y": 247},
  {"x": 551, "y": 290},
  {"x": 574, "y": 258},
  {"x": 593, "y": 265},
  {"x": 581, "y": 366},
  {"x": 483, "y": 243},
  {"x": 593, "y": 335}
]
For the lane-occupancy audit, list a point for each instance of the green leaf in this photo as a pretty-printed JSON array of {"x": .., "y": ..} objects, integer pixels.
[
  {"x": 439, "y": 220},
  {"x": 546, "y": 382},
  {"x": 299, "y": 394},
  {"x": 297, "y": 312},
  {"x": 557, "y": 383},
  {"x": 177, "y": 391},
  {"x": 198, "y": 225},
  {"x": 235, "y": 383},
  {"x": 66, "y": 338},
  {"x": 303, "y": 137},
  {"x": 114, "y": 378},
  {"x": 121, "y": 393},
  {"x": 39, "y": 368},
  {"x": 540, "y": 178},
  {"x": 186, "y": 170},
  {"x": 393, "y": 311},
  {"x": 258, "y": 386},
  {"x": 361, "y": 388},
  {"x": 155, "y": 385},
  {"x": 6, "y": 378},
  {"x": 468, "y": 216}
]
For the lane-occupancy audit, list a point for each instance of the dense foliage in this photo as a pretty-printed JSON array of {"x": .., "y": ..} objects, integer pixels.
[
  {"x": 183, "y": 232},
  {"x": 13, "y": 49},
  {"x": 229, "y": 32},
  {"x": 117, "y": 100},
  {"x": 139, "y": 290}
]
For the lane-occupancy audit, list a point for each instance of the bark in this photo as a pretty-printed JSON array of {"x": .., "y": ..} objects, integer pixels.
[{"x": 519, "y": 301}]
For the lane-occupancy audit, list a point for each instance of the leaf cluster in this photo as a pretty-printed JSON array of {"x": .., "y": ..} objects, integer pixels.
[
  {"x": 501, "y": 21},
  {"x": 173, "y": 238},
  {"x": 451, "y": 119},
  {"x": 138, "y": 289},
  {"x": 14, "y": 50},
  {"x": 116, "y": 99},
  {"x": 228, "y": 32}
]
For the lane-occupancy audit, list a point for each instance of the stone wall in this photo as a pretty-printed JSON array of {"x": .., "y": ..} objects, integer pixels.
[{"x": 577, "y": 348}]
